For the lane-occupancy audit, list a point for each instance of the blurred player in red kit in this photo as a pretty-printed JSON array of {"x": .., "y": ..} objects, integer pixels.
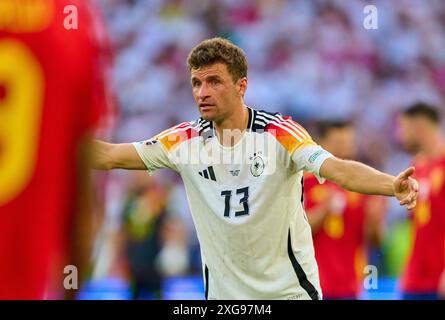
[
  {"x": 51, "y": 98},
  {"x": 341, "y": 221},
  {"x": 420, "y": 134}
]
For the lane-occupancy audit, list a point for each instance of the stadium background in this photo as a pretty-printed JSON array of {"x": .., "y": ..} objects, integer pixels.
[{"x": 312, "y": 60}]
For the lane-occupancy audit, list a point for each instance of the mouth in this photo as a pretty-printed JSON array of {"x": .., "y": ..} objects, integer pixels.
[{"x": 206, "y": 106}]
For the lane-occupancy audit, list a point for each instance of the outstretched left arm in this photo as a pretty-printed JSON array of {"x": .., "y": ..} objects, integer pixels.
[{"x": 358, "y": 177}]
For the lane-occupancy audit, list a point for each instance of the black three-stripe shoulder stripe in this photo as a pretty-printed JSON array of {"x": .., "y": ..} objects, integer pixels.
[
  {"x": 262, "y": 119},
  {"x": 203, "y": 125},
  {"x": 301, "y": 275},
  {"x": 205, "y": 128}
]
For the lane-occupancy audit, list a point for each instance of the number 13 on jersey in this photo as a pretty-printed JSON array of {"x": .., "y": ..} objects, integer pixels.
[{"x": 244, "y": 200}]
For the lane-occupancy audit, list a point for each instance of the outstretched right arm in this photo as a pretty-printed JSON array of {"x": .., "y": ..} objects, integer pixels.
[
  {"x": 107, "y": 156},
  {"x": 150, "y": 155}
]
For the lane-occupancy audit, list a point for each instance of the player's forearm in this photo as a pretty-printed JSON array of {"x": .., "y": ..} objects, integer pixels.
[
  {"x": 108, "y": 156},
  {"x": 358, "y": 177},
  {"x": 102, "y": 155}
]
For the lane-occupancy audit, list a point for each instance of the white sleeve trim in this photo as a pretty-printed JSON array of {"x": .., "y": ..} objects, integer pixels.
[
  {"x": 139, "y": 149},
  {"x": 311, "y": 158}
]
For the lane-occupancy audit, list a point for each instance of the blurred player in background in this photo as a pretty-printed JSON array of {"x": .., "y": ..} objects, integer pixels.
[
  {"x": 341, "y": 220},
  {"x": 420, "y": 134},
  {"x": 51, "y": 97},
  {"x": 144, "y": 214}
]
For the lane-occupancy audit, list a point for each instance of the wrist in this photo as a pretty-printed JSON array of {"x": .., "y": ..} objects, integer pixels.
[{"x": 391, "y": 188}]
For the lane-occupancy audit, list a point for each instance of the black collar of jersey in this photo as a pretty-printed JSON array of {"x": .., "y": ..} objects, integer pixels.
[{"x": 258, "y": 121}]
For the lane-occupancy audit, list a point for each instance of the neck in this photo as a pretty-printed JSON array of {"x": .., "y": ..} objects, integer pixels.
[
  {"x": 433, "y": 147},
  {"x": 231, "y": 129}
]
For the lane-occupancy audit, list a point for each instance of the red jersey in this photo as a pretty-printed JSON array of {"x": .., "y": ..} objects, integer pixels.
[
  {"x": 51, "y": 94},
  {"x": 427, "y": 259},
  {"x": 340, "y": 242}
]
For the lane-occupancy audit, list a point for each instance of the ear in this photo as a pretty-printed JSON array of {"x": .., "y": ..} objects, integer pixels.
[{"x": 242, "y": 86}]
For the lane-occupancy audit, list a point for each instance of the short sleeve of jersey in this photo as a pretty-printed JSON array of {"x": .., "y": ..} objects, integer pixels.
[
  {"x": 304, "y": 152},
  {"x": 310, "y": 157},
  {"x": 159, "y": 152},
  {"x": 154, "y": 155}
]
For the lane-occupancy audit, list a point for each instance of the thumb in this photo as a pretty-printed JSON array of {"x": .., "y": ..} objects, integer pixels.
[{"x": 407, "y": 173}]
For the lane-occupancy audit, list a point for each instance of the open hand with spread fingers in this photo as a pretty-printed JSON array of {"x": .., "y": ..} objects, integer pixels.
[{"x": 406, "y": 188}]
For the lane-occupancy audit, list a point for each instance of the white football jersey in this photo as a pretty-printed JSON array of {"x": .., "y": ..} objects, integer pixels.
[{"x": 247, "y": 204}]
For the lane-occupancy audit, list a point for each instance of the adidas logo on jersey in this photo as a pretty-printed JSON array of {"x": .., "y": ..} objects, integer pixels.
[{"x": 208, "y": 174}]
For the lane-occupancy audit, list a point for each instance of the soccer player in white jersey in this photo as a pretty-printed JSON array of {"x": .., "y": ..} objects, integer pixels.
[{"x": 242, "y": 169}]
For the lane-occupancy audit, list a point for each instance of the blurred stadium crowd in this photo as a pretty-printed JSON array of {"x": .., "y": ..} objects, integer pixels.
[{"x": 312, "y": 60}]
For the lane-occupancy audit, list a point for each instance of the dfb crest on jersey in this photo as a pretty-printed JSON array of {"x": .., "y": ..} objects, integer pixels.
[{"x": 257, "y": 166}]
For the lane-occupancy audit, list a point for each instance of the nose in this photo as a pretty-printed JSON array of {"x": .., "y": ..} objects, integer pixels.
[{"x": 203, "y": 92}]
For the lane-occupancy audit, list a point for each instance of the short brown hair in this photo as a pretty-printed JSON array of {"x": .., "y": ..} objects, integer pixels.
[
  {"x": 215, "y": 50},
  {"x": 324, "y": 127},
  {"x": 425, "y": 110}
]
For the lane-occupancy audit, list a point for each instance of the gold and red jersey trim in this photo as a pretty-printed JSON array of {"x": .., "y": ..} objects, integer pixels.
[
  {"x": 289, "y": 134},
  {"x": 174, "y": 136}
]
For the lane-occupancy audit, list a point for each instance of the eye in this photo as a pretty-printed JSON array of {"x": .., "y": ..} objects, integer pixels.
[{"x": 215, "y": 81}]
